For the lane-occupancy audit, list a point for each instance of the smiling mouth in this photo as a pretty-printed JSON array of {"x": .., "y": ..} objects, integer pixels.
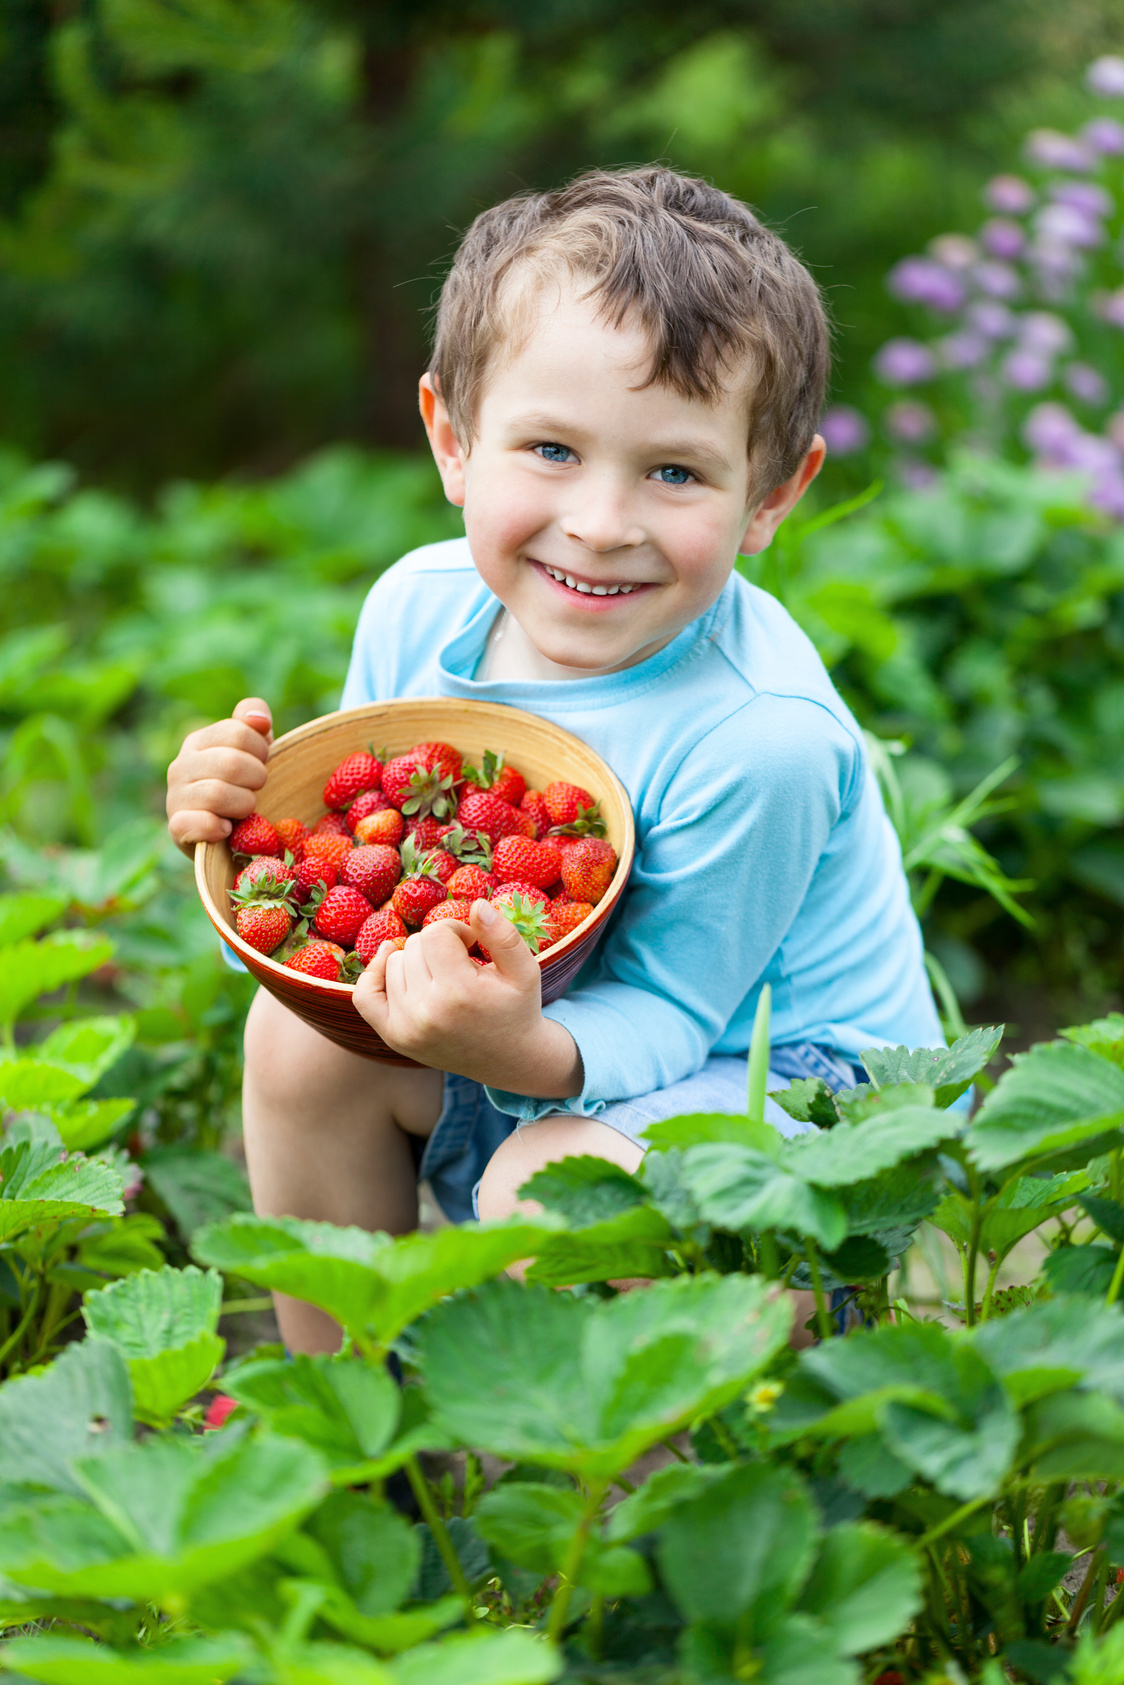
[{"x": 584, "y": 589}]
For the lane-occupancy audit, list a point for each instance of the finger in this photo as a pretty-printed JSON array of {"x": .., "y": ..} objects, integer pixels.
[
  {"x": 446, "y": 945},
  {"x": 416, "y": 968},
  {"x": 222, "y": 762},
  {"x": 370, "y": 988},
  {"x": 211, "y": 795},
  {"x": 224, "y": 734},
  {"x": 189, "y": 827},
  {"x": 256, "y": 714},
  {"x": 510, "y": 954}
]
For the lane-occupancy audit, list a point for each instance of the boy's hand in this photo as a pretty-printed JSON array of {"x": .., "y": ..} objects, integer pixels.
[
  {"x": 432, "y": 1003},
  {"x": 215, "y": 778}
]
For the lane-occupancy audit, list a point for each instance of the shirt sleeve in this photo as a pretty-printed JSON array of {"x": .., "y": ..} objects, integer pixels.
[{"x": 718, "y": 880}]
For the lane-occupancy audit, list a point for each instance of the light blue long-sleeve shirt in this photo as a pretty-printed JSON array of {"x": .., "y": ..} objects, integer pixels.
[{"x": 763, "y": 851}]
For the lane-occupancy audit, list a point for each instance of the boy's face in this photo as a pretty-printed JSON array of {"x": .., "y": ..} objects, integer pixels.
[{"x": 605, "y": 516}]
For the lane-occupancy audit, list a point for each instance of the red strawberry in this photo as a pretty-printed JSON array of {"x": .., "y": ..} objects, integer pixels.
[
  {"x": 415, "y": 788},
  {"x": 495, "y": 775},
  {"x": 574, "y": 809},
  {"x": 562, "y": 917},
  {"x": 263, "y": 924},
  {"x": 315, "y": 871},
  {"x": 342, "y": 914},
  {"x": 452, "y": 908},
  {"x": 426, "y": 833},
  {"x": 270, "y": 876},
  {"x": 481, "y": 811},
  {"x": 385, "y": 826},
  {"x": 353, "y": 775},
  {"x": 532, "y": 803},
  {"x": 318, "y": 959},
  {"x": 439, "y": 757},
  {"x": 294, "y": 834},
  {"x": 526, "y": 907},
  {"x": 471, "y": 881},
  {"x": 373, "y": 869},
  {"x": 587, "y": 868},
  {"x": 371, "y": 801},
  {"x": 519, "y": 859},
  {"x": 415, "y": 896},
  {"x": 469, "y": 848},
  {"x": 327, "y": 846},
  {"x": 331, "y": 825},
  {"x": 383, "y": 926},
  {"x": 256, "y": 835}
]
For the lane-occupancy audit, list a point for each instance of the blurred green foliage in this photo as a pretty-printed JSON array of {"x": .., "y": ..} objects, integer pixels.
[{"x": 223, "y": 222}]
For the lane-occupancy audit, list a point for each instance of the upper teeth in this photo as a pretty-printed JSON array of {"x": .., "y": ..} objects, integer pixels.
[{"x": 589, "y": 590}]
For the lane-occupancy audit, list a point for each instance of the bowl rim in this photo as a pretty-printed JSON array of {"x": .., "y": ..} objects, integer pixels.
[{"x": 318, "y": 727}]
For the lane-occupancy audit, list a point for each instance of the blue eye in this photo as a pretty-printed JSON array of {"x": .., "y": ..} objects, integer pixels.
[
  {"x": 554, "y": 453},
  {"x": 669, "y": 475}
]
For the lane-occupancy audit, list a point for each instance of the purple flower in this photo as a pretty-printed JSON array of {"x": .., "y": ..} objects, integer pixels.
[
  {"x": 1027, "y": 371},
  {"x": 989, "y": 317},
  {"x": 1114, "y": 429},
  {"x": 1050, "y": 430},
  {"x": 1104, "y": 135},
  {"x": 844, "y": 430},
  {"x": 1055, "y": 266},
  {"x": 1106, "y": 76},
  {"x": 1010, "y": 195},
  {"x": 918, "y": 280},
  {"x": 1110, "y": 307},
  {"x": 904, "y": 362},
  {"x": 1042, "y": 331},
  {"x": 918, "y": 476},
  {"x": 1084, "y": 196},
  {"x": 1065, "y": 225},
  {"x": 1107, "y": 493},
  {"x": 1002, "y": 238},
  {"x": 1085, "y": 383},
  {"x": 997, "y": 280},
  {"x": 962, "y": 350},
  {"x": 910, "y": 422},
  {"x": 1055, "y": 151},
  {"x": 955, "y": 251}
]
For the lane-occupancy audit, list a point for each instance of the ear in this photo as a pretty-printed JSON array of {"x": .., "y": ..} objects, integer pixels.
[
  {"x": 771, "y": 511},
  {"x": 443, "y": 442}
]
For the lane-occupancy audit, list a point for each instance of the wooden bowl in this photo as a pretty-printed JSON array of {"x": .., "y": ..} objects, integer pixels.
[{"x": 299, "y": 764}]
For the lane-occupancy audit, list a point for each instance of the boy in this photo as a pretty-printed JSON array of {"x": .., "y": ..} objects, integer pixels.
[{"x": 623, "y": 395}]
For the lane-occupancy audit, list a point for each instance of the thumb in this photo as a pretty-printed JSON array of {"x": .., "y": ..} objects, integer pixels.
[
  {"x": 252, "y": 711},
  {"x": 498, "y": 936}
]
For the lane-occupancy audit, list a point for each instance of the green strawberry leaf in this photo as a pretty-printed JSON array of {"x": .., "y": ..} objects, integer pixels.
[
  {"x": 374, "y": 1552},
  {"x": 1105, "y": 1036},
  {"x": 947, "y": 1070},
  {"x": 808, "y": 1100},
  {"x": 81, "y": 1403},
  {"x": 58, "y": 1660},
  {"x": 584, "y": 1190},
  {"x": 1057, "y": 1343},
  {"x": 587, "y": 1385},
  {"x": 738, "y": 1188},
  {"x": 26, "y": 915},
  {"x": 854, "y": 1152},
  {"x": 197, "y": 1187},
  {"x": 31, "y": 969},
  {"x": 501, "y": 1658},
  {"x": 864, "y": 1588},
  {"x": 1053, "y": 1099},
  {"x": 164, "y": 1324},
  {"x": 86, "y": 1124}
]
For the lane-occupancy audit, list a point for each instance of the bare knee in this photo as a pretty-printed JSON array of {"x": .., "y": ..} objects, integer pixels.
[{"x": 535, "y": 1145}]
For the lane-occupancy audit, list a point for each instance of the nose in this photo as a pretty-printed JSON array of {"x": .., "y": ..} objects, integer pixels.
[{"x": 601, "y": 517}]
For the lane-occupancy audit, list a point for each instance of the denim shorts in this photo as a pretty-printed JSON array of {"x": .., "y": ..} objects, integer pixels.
[{"x": 470, "y": 1128}]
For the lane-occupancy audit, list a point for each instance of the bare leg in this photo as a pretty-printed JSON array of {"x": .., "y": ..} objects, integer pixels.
[{"x": 326, "y": 1137}]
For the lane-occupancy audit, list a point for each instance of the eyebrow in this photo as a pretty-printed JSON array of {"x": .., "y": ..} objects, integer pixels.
[{"x": 666, "y": 450}]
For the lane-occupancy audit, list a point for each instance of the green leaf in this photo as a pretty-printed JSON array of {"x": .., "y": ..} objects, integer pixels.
[
  {"x": 1051, "y": 1099},
  {"x": 533, "y": 1525},
  {"x": 1080, "y": 1269},
  {"x": 375, "y": 1552},
  {"x": 860, "y": 1258},
  {"x": 502, "y": 1658},
  {"x": 1037, "y": 1578},
  {"x": 164, "y": 1324},
  {"x": 121, "y": 1245},
  {"x": 1055, "y": 1344},
  {"x": 389, "y": 1633},
  {"x": 947, "y": 1070},
  {"x": 369, "y": 1282},
  {"x": 865, "y": 1586},
  {"x": 741, "y": 1548},
  {"x": 650, "y": 1505},
  {"x": 197, "y": 1187},
  {"x": 1075, "y": 1436},
  {"x": 27, "y": 915},
  {"x": 584, "y": 1190},
  {"x": 630, "y": 1244},
  {"x": 741, "y": 1189},
  {"x": 898, "y": 1198},
  {"x": 1105, "y": 1036},
  {"x": 586, "y": 1384},
  {"x": 31, "y": 969},
  {"x": 80, "y": 1403},
  {"x": 1107, "y": 1214},
  {"x": 29, "y": 1082},
  {"x": 163, "y": 1517},
  {"x": 852, "y": 1152},
  {"x": 85, "y": 1124},
  {"x": 89, "y": 1046},
  {"x": 1025, "y": 1204},
  {"x": 868, "y": 1464},
  {"x": 45, "y": 1198},
  {"x": 698, "y": 1127},
  {"x": 57, "y": 1660},
  {"x": 808, "y": 1100},
  {"x": 797, "y": 1653},
  {"x": 1097, "y": 1661},
  {"x": 968, "y": 1456}
]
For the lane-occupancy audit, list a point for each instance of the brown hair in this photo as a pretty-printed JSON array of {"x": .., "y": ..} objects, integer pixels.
[{"x": 713, "y": 289}]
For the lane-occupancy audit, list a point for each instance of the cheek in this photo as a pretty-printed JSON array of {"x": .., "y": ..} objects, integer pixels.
[
  {"x": 501, "y": 512},
  {"x": 702, "y": 552}
]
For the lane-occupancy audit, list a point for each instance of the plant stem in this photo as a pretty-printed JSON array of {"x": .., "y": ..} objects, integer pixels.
[
  {"x": 21, "y": 1327},
  {"x": 823, "y": 1315},
  {"x": 1117, "y": 1277},
  {"x": 758, "y": 1070},
  {"x": 445, "y": 1547},
  {"x": 1114, "y": 1178},
  {"x": 985, "y": 1308},
  {"x": 595, "y": 1626},
  {"x": 675, "y": 1451},
  {"x": 568, "y": 1573},
  {"x": 1079, "y": 1602}
]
